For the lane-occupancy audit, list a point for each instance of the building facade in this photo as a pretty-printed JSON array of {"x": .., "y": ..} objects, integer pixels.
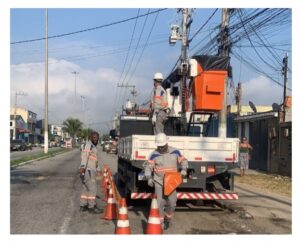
[{"x": 29, "y": 118}]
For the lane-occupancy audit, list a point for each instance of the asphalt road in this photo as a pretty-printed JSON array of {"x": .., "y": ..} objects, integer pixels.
[{"x": 45, "y": 200}]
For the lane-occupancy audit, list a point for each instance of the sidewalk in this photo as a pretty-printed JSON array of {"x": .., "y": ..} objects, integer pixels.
[{"x": 262, "y": 182}]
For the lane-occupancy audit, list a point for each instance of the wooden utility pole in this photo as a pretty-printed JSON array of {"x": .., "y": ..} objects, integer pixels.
[
  {"x": 238, "y": 97},
  {"x": 284, "y": 73}
]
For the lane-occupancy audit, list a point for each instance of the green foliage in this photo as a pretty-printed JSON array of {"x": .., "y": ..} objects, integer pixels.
[
  {"x": 84, "y": 133},
  {"x": 73, "y": 126}
]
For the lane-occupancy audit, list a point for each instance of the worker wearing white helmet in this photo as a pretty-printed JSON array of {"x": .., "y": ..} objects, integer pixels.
[
  {"x": 159, "y": 104},
  {"x": 164, "y": 159}
]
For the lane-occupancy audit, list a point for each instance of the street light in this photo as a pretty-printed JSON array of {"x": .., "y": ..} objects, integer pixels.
[
  {"x": 83, "y": 110},
  {"x": 15, "y": 111},
  {"x": 74, "y": 103}
]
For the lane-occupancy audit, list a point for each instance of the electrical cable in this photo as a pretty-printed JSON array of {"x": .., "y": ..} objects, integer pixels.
[{"x": 88, "y": 29}]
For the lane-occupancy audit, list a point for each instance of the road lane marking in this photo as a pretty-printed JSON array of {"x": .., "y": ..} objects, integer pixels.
[{"x": 66, "y": 222}]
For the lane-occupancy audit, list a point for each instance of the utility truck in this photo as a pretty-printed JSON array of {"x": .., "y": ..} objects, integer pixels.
[{"x": 210, "y": 159}]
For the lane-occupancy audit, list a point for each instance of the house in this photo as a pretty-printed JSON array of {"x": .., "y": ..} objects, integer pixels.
[
  {"x": 270, "y": 134},
  {"x": 18, "y": 127},
  {"x": 29, "y": 119}
]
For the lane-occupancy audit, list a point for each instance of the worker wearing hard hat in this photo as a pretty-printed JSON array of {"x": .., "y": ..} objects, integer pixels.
[
  {"x": 159, "y": 104},
  {"x": 165, "y": 160}
]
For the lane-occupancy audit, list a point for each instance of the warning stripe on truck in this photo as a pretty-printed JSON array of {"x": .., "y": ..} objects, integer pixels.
[{"x": 192, "y": 196}]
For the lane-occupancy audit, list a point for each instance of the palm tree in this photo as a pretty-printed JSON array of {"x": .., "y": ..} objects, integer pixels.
[
  {"x": 72, "y": 126},
  {"x": 85, "y": 133}
]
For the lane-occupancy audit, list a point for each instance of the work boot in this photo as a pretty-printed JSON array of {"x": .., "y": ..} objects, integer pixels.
[
  {"x": 166, "y": 224},
  {"x": 95, "y": 210},
  {"x": 83, "y": 208}
]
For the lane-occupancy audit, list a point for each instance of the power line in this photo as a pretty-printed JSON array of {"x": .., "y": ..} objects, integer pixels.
[
  {"x": 132, "y": 58},
  {"x": 250, "y": 64},
  {"x": 144, "y": 47},
  {"x": 126, "y": 58},
  {"x": 88, "y": 29},
  {"x": 198, "y": 31}
]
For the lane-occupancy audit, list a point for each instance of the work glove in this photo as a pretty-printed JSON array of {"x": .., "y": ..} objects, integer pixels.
[
  {"x": 183, "y": 172},
  {"x": 154, "y": 118},
  {"x": 150, "y": 182},
  {"x": 81, "y": 170},
  {"x": 82, "y": 173}
]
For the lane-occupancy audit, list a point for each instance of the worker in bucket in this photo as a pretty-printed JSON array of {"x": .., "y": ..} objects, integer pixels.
[
  {"x": 159, "y": 104},
  {"x": 89, "y": 167},
  {"x": 163, "y": 160},
  {"x": 245, "y": 148}
]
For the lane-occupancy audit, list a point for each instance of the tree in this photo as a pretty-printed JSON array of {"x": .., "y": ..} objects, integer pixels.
[
  {"x": 85, "y": 133},
  {"x": 72, "y": 126}
]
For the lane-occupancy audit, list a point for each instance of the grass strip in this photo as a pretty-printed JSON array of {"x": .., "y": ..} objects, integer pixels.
[
  {"x": 38, "y": 156},
  {"x": 268, "y": 182}
]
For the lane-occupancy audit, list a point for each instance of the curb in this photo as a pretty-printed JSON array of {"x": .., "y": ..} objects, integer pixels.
[{"x": 37, "y": 159}]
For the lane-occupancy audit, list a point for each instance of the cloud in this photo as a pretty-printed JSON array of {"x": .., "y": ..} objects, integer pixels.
[
  {"x": 97, "y": 87},
  {"x": 261, "y": 91}
]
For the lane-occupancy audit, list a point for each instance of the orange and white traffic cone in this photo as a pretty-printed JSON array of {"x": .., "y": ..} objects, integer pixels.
[
  {"x": 104, "y": 179},
  {"x": 111, "y": 210},
  {"x": 154, "y": 225},
  {"x": 106, "y": 191},
  {"x": 123, "y": 222}
]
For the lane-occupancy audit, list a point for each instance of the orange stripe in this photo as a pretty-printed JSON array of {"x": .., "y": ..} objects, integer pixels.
[
  {"x": 158, "y": 97},
  {"x": 93, "y": 157},
  {"x": 162, "y": 170},
  {"x": 85, "y": 150}
]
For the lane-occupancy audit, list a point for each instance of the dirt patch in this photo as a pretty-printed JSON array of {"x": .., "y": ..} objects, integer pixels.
[{"x": 273, "y": 183}]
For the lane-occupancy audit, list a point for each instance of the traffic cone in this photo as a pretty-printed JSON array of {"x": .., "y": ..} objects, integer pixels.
[
  {"x": 106, "y": 192},
  {"x": 154, "y": 225},
  {"x": 111, "y": 211},
  {"x": 104, "y": 179},
  {"x": 123, "y": 222}
]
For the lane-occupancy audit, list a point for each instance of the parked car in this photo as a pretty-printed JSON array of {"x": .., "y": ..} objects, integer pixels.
[
  {"x": 28, "y": 146},
  {"x": 62, "y": 144},
  {"x": 17, "y": 144},
  {"x": 113, "y": 147},
  {"x": 49, "y": 145}
]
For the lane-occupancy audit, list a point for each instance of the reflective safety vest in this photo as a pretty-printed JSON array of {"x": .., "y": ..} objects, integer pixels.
[
  {"x": 89, "y": 156},
  {"x": 159, "y": 99},
  {"x": 170, "y": 161}
]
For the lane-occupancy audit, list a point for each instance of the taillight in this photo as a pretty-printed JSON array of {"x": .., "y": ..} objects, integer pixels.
[{"x": 211, "y": 170}]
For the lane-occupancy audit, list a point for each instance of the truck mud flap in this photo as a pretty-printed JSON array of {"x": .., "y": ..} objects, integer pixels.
[{"x": 192, "y": 196}]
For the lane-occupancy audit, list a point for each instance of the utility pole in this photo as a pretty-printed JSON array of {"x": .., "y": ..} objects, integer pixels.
[
  {"x": 74, "y": 101},
  {"x": 133, "y": 91},
  {"x": 184, "y": 64},
  {"x": 83, "y": 109},
  {"x": 183, "y": 70},
  {"x": 284, "y": 73},
  {"x": 46, "y": 85},
  {"x": 224, "y": 51},
  {"x": 238, "y": 97},
  {"x": 15, "y": 112}
]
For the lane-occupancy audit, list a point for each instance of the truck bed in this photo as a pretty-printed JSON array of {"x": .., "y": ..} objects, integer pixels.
[{"x": 195, "y": 149}]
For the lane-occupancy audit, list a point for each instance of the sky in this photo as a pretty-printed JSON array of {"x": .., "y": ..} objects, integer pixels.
[
  {"x": 98, "y": 73},
  {"x": 99, "y": 57}
]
